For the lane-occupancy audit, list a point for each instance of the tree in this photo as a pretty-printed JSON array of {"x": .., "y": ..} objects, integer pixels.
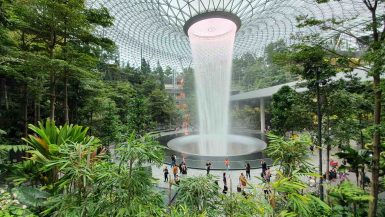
[
  {"x": 60, "y": 26},
  {"x": 290, "y": 154},
  {"x": 110, "y": 125},
  {"x": 313, "y": 64},
  {"x": 357, "y": 159},
  {"x": 288, "y": 112},
  {"x": 246, "y": 117},
  {"x": 161, "y": 106},
  {"x": 161, "y": 75},
  {"x": 199, "y": 193},
  {"x": 139, "y": 119},
  {"x": 373, "y": 63},
  {"x": 145, "y": 67},
  {"x": 344, "y": 196}
]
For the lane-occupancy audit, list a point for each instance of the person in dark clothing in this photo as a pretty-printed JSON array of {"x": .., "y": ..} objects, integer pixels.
[
  {"x": 173, "y": 160},
  {"x": 248, "y": 168},
  {"x": 224, "y": 179},
  {"x": 208, "y": 167},
  {"x": 267, "y": 175},
  {"x": 165, "y": 172},
  {"x": 264, "y": 168},
  {"x": 225, "y": 189},
  {"x": 177, "y": 180},
  {"x": 180, "y": 167},
  {"x": 184, "y": 169},
  {"x": 332, "y": 174}
]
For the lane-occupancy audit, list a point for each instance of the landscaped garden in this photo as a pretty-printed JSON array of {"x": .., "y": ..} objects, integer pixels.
[{"x": 79, "y": 129}]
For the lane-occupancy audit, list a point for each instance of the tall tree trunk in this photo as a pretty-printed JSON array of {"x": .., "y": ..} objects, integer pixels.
[
  {"x": 38, "y": 112},
  {"x": 328, "y": 147},
  {"x": 34, "y": 112},
  {"x": 319, "y": 135},
  {"x": 5, "y": 92},
  {"x": 376, "y": 145},
  {"x": 372, "y": 6},
  {"x": 327, "y": 160},
  {"x": 363, "y": 177},
  {"x": 25, "y": 119},
  {"x": 90, "y": 131},
  {"x": 362, "y": 147},
  {"x": 52, "y": 96},
  {"x": 52, "y": 76},
  {"x": 66, "y": 107}
]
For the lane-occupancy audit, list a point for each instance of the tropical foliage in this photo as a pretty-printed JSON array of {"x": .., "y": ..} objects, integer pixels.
[
  {"x": 290, "y": 154},
  {"x": 54, "y": 70}
]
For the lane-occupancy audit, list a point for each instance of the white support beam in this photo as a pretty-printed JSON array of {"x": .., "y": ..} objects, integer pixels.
[{"x": 262, "y": 112}]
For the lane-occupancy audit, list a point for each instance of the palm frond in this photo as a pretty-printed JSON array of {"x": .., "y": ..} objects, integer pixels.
[{"x": 15, "y": 148}]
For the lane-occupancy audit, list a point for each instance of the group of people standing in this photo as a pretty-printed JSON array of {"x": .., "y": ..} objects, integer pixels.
[{"x": 181, "y": 169}]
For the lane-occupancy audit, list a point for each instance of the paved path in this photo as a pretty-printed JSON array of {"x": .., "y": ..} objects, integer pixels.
[{"x": 157, "y": 172}]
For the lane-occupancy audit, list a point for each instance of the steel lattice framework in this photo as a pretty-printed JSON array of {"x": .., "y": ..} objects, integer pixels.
[{"x": 154, "y": 28}]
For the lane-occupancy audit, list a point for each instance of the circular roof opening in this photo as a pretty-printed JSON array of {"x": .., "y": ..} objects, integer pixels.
[
  {"x": 212, "y": 27},
  {"x": 212, "y": 24}
]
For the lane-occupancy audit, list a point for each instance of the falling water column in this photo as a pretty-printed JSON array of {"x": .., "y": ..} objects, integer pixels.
[{"x": 212, "y": 43}]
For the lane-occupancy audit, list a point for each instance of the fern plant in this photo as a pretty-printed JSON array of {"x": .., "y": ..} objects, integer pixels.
[{"x": 5, "y": 163}]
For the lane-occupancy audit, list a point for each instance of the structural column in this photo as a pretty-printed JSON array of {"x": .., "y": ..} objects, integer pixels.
[{"x": 262, "y": 112}]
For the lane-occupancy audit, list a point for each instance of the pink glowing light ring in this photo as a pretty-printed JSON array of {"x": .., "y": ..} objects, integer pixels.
[
  {"x": 212, "y": 28},
  {"x": 212, "y": 14}
]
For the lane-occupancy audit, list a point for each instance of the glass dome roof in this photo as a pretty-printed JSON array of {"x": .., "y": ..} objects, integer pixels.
[{"x": 154, "y": 28}]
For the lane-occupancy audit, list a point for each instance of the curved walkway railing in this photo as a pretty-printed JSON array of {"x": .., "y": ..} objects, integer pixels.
[{"x": 220, "y": 165}]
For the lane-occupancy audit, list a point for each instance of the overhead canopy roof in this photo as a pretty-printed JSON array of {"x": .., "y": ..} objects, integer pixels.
[
  {"x": 270, "y": 91},
  {"x": 154, "y": 28}
]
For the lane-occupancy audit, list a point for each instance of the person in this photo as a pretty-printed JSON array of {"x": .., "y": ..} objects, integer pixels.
[
  {"x": 180, "y": 167},
  {"x": 227, "y": 164},
  {"x": 173, "y": 160},
  {"x": 242, "y": 181},
  {"x": 184, "y": 169},
  {"x": 208, "y": 167},
  {"x": 175, "y": 170},
  {"x": 267, "y": 174},
  {"x": 333, "y": 164},
  {"x": 267, "y": 190},
  {"x": 239, "y": 188},
  {"x": 343, "y": 176},
  {"x": 165, "y": 172},
  {"x": 312, "y": 181},
  {"x": 177, "y": 180},
  {"x": 264, "y": 167},
  {"x": 224, "y": 179},
  {"x": 332, "y": 174},
  {"x": 247, "y": 167},
  {"x": 225, "y": 189}
]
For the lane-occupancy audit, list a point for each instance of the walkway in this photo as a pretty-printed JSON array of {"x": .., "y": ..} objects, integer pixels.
[{"x": 157, "y": 172}]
